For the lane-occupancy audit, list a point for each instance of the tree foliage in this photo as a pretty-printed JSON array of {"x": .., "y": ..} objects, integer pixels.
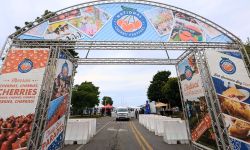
[
  {"x": 85, "y": 95},
  {"x": 154, "y": 92},
  {"x": 172, "y": 93},
  {"x": 107, "y": 100},
  {"x": 164, "y": 89}
]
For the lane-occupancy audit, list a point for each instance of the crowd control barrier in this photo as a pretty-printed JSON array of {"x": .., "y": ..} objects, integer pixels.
[
  {"x": 80, "y": 131},
  {"x": 173, "y": 130}
]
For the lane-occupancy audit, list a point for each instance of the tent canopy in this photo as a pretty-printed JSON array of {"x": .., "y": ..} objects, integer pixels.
[
  {"x": 160, "y": 104},
  {"x": 107, "y": 106}
]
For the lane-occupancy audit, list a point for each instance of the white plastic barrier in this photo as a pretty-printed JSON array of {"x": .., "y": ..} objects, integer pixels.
[
  {"x": 174, "y": 131},
  {"x": 92, "y": 127},
  {"x": 113, "y": 114},
  {"x": 159, "y": 125},
  {"x": 80, "y": 131}
]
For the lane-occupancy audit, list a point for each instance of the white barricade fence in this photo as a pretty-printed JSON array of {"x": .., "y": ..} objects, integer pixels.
[
  {"x": 80, "y": 131},
  {"x": 173, "y": 130},
  {"x": 159, "y": 125}
]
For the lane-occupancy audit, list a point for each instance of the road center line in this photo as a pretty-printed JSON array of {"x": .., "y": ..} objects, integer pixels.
[
  {"x": 149, "y": 147},
  {"x": 137, "y": 137}
]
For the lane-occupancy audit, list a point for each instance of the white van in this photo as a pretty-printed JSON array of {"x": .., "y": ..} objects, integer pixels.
[{"x": 122, "y": 113}]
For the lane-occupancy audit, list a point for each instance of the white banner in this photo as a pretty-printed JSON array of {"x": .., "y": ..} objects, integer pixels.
[
  {"x": 191, "y": 83},
  {"x": 232, "y": 85},
  {"x": 20, "y": 81}
]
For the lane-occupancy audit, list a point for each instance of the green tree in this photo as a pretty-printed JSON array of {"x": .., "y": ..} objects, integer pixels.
[
  {"x": 107, "y": 100},
  {"x": 85, "y": 95},
  {"x": 172, "y": 93},
  {"x": 154, "y": 92}
]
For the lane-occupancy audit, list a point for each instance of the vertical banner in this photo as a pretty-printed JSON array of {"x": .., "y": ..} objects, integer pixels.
[
  {"x": 195, "y": 103},
  {"x": 58, "y": 106},
  {"x": 232, "y": 85},
  {"x": 20, "y": 83}
]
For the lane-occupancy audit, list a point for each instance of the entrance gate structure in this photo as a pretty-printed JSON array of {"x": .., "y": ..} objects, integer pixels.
[{"x": 112, "y": 25}]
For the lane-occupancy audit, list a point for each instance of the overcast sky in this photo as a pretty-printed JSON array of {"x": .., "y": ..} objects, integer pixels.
[{"x": 127, "y": 85}]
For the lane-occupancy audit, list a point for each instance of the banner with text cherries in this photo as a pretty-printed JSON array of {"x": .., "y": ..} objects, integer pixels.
[{"x": 21, "y": 79}]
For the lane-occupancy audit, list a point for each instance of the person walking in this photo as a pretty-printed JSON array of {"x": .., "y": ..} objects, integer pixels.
[{"x": 136, "y": 113}]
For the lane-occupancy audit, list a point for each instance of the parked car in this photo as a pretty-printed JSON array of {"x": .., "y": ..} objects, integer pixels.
[{"x": 122, "y": 113}]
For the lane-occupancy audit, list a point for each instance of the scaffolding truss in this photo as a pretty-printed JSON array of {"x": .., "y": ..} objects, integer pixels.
[
  {"x": 187, "y": 48},
  {"x": 184, "y": 47},
  {"x": 123, "y": 45}
]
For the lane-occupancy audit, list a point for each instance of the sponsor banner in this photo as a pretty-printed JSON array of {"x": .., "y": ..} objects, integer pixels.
[
  {"x": 53, "y": 136},
  {"x": 20, "y": 83},
  {"x": 232, "y": 85},
  {"x": 125, "y": 22},
  {"x": 195, "y": 103},
  {"x": 228, "y": 65},
  {"x": 58, "y": 106},
  {"x": 190, "y": 79}
]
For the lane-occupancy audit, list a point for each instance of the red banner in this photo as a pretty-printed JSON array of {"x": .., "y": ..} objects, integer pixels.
[{"x": 201, "y": 128}]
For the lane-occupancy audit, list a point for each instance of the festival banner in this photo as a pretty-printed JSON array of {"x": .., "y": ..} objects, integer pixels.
[
  {"x": 162, "y": 19},
  {"x": 20, "y": 83},
  {"x": 185, "y": 31},
  {"x": 91, "y": 20},
  {"x": 200, "y": 123},
  {"x": 62, "y": 30},
  {"x": 59, "y": 104},
  {"x": 232, "y": 85},
  {"x": 126, "y": 22}
]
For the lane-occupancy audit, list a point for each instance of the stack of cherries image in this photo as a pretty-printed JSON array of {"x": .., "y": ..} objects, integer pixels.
[{"x": 15, "y": 132}]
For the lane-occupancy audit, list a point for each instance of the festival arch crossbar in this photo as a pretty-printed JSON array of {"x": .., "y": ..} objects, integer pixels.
[{"x": 212, "y": 69}]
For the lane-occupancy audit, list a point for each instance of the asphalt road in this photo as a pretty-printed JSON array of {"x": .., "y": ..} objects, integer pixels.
[{"x": 124, "y": 135}]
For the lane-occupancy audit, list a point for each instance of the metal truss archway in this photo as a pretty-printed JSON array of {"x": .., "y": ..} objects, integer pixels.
[{"x": 186, "y": 47}]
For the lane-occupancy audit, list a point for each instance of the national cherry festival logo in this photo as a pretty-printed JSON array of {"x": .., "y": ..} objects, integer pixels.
[
  {"x": 188, "y": 73},
  {"x": 227, "y": 66},
  {"x": 25, "y": 66},
  {"x": 129, "y": 22}
]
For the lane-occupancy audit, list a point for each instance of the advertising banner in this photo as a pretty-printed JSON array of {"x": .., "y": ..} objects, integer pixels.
[
  {"x": 126, "y": 22},
  {"x": 58, "y": 106},
  {"x": 195, "y": 103},
  {"x": 20, "y": 83},
  {"x": 232, "y": 85}
]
